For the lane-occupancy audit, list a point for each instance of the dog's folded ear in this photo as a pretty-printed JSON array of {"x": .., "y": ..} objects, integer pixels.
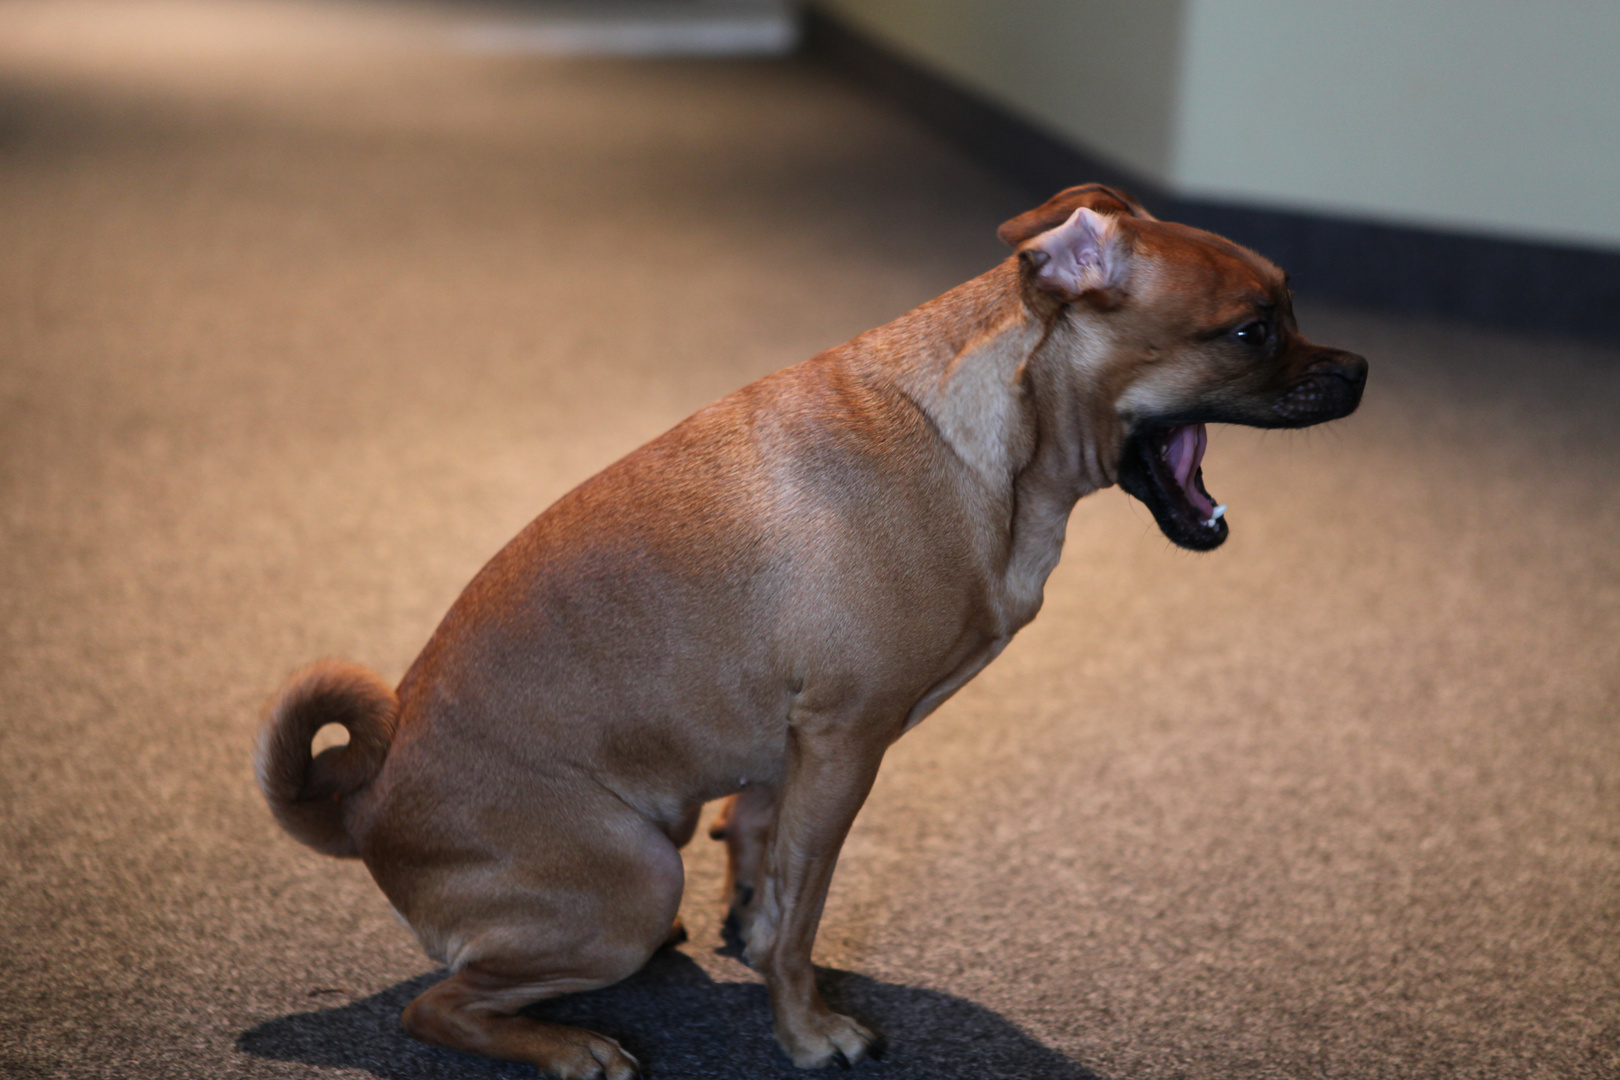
[
  {"x": 1084, "y": 256},
  {"x": 1060, "y": 207}
]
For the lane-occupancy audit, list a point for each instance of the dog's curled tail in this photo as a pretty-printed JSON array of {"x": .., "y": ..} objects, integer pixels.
[{"x": 306, "y": 791}]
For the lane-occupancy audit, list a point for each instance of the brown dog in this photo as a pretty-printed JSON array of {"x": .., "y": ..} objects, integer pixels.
[{"x": 754, "y": 605}]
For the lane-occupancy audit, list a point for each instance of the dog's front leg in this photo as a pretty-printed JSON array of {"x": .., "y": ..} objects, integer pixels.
[
  {"x": 744, "y": 823},
  {"x": 831, "y": 763}
]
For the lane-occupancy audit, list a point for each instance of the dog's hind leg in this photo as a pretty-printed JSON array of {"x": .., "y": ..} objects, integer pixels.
[
  {"x": 679, "y": 834},
  {"x": 583, "y": 907},
  {"x": 478, "y": 1013}
]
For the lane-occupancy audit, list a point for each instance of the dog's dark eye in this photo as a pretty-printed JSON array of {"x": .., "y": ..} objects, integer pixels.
[{"x": 1251, "y": 333}]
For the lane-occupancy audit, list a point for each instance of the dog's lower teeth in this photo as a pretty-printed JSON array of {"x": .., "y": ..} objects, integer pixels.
[{"x": 1220, "y": 512}]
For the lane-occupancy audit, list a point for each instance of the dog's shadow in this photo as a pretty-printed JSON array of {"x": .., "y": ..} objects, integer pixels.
[{"x": 682, "y": 1024}]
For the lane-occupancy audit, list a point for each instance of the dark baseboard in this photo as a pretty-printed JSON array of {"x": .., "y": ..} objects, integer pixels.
[{"x": 1506, "y": 283}]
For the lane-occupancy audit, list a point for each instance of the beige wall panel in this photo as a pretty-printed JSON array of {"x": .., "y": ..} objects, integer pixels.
[
  {"x": 1492, "y": 116},
  {"x": 1101, "y": 74},
  {"x": 1500, "y": 117}
]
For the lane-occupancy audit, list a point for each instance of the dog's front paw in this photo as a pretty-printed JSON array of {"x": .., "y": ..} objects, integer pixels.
[
  {"x": 829, "y": 1038},
  {"x": 739, "y": 922}
]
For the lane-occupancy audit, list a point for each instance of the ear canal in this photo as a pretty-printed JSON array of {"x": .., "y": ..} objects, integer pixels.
[{"x": 1058, "y": 209}]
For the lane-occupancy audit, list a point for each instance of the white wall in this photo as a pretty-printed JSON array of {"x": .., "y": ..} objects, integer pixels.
[{"x": 1493, "y": 116}]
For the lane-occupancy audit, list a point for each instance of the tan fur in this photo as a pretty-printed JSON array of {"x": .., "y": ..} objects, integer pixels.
[{"x": 753, "y": 606}]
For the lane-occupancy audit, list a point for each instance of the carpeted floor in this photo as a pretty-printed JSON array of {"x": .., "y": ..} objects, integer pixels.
[{"x": 303, "y": 313}]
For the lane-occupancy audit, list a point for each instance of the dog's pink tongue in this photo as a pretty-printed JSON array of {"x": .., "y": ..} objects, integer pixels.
[{"x": 1186, "y": 446}]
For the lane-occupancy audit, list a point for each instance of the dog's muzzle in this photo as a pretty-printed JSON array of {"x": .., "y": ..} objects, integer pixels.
[
  {"x": 1163, "y": 461},
  {"x": 1330, "y": 389}
]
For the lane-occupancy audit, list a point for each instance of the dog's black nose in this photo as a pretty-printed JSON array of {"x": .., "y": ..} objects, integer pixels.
[
  {"x": 1340, "y": 364},
  {"x": 1353, "y": 368}
]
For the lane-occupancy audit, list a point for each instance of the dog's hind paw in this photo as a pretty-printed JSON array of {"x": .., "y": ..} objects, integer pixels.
[{"x": 594, "y": 1058}]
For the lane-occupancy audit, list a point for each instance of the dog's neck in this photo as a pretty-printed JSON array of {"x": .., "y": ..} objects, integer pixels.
[
  {"x": 1010, "y": 386},
  {"x": 1017, "y": 388}
]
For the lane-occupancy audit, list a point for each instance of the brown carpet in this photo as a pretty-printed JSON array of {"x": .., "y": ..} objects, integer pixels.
[{"x": 303, "y": 314}]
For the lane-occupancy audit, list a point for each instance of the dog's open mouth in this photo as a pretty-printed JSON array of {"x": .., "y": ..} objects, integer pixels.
[{"x": 1163, "y": 467}]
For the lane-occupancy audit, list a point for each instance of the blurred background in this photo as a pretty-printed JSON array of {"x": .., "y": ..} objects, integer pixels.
[{"x": 307, "y": 306}]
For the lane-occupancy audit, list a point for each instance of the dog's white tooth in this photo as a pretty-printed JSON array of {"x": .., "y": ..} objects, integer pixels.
[{"x": 1220, "y": 512}]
